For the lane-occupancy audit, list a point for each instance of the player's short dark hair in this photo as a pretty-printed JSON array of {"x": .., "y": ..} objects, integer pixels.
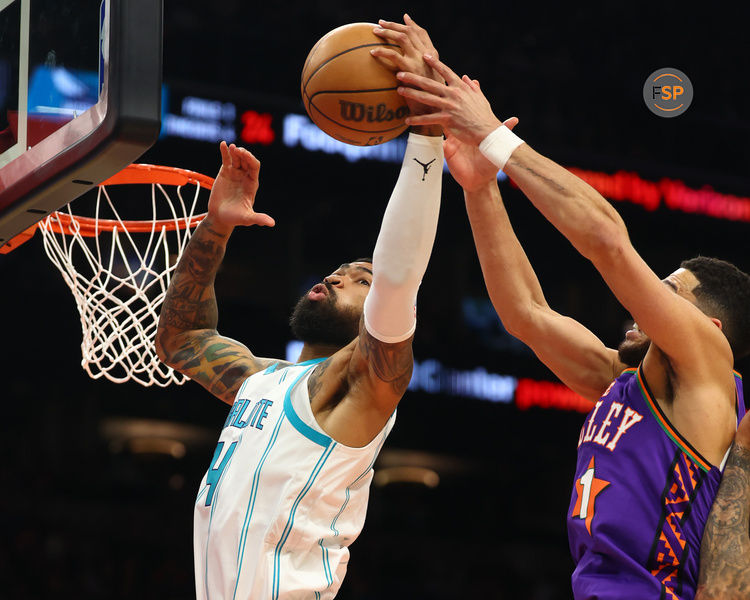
[{"x": 723, "y": 292}]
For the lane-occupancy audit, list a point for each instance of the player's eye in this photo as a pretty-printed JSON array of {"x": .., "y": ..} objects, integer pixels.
[{"x": 364, "y": 282}]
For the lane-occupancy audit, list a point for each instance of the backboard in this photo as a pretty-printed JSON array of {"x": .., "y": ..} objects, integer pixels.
[{"x": 80, "y": 99}]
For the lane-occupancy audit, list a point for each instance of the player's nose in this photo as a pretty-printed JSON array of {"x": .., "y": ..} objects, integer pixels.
[{"x": 333, "y": 280}]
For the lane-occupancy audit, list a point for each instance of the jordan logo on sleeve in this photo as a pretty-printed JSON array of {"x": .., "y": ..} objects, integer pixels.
[{"x": 425, "y": 166}]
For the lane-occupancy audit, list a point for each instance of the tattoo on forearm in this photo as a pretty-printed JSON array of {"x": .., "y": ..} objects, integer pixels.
[
  {"x": 725, "y": 549},
  {"x": 190, "y": 302},
  {"x": 218, "y": 364},
  {"x": 392, "y": 363}
]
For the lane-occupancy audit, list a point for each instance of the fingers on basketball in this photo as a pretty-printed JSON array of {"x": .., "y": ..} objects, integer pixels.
[
  {"x": 397, "y": 37},
  {"x": 422, "y": 97},
  {"x": 389, "y": 58},
  {"x": 423, "y": 83},
  {"x": 392, "y": 25}
]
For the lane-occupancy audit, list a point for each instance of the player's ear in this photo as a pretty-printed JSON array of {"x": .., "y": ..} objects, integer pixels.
[{"x": 717, "y": 322}]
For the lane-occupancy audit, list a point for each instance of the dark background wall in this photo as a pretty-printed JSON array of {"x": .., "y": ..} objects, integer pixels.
[{"x": 85, "y": 517}]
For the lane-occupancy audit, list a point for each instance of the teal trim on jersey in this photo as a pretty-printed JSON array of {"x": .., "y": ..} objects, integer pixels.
[
  {"x": 312, "y": 361},
  {"x": 205, "y": 489},
  {"x": 311, "y": 434},
  {"x": 290, "y": 523},
  {"x": 251, "y": 501},
  {"x": 270, "y": 369},
  {"x": 348, "y": 488},
  {"x": 317, "y": 595},
  {"x": 326, "y": 563},
  {"x": 211, "y": 516}
]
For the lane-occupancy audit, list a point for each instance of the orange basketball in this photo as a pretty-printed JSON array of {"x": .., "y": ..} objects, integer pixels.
[{"x": 349, "y": 93}]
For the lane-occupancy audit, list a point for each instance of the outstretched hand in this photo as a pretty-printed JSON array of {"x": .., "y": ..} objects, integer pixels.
[
  {"x": 459, "y": 106},
  {"x": 233, "y": 193},
  {"x": 414, "y": 42},
  {"x": 468, "y": 166}
]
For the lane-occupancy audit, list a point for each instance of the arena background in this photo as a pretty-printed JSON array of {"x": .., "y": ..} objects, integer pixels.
[{"x": 89, "y": 515}]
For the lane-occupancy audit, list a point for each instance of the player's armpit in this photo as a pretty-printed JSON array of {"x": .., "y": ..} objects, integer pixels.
[
  {"x": 218, "y": 363},
  {"x": 571, "y": 351},
  {"x": 354, "y": 392}
]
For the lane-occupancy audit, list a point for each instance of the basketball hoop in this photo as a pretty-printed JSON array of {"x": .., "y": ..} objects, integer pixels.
[{"x": 119, "y": 269}]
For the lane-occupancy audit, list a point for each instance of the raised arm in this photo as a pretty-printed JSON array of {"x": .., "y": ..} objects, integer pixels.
[
  {"x": 186, "y": 338},
  {"x": 570, "y": 350},
  {"x": 376, "y": 368},
  {"x": 382, "y": 361},
  {"x": 694, "y": 345}
]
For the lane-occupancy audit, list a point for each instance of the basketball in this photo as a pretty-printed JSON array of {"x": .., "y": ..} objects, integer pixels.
[{"x": 349, "y": 93}]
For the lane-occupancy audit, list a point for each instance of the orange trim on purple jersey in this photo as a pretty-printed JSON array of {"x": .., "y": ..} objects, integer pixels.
[{"x": 673, "y": 434}]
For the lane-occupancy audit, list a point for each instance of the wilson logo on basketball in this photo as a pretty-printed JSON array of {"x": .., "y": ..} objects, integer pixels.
[{"x": 379, "y": 113}]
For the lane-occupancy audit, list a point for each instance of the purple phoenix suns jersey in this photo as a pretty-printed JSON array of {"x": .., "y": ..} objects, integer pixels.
[{"x": 640, "y": 501}]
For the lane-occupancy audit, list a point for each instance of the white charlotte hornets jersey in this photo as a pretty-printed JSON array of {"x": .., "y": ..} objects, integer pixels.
[{"x": 281, "y": 500}]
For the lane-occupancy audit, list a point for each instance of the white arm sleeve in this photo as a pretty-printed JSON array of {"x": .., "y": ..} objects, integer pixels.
[{"x": 405, "y": 241}]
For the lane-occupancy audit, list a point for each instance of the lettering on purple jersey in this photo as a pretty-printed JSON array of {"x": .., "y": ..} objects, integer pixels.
[{"x": 599, "y": 433}]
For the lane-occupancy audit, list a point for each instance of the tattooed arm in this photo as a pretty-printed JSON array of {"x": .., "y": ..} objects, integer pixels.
[
  {"x": 725, "y": 550},
  {"x": 186, "y": 338}
]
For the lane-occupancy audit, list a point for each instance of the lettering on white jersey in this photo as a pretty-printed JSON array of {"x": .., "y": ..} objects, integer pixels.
[{"x": 241, "y": 415}]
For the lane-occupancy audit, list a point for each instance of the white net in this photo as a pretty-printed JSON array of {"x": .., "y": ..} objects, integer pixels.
[{"x": 119, "y": 271}]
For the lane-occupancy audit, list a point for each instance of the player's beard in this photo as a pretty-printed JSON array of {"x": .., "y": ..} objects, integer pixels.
[
  {"x": 323, "y": 322},
  {"x": 632, "y": 352}
]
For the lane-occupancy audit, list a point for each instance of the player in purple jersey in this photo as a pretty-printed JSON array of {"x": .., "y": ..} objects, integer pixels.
[{"x": 651, "y": 450}]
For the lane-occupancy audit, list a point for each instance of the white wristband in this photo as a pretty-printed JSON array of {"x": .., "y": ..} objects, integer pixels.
[{"x": 499, "y": 145}]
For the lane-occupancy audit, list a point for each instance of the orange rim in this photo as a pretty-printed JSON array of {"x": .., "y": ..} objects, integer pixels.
[
  {"x": 135, "y": 174},
  {"x": 138, "y": 173}
]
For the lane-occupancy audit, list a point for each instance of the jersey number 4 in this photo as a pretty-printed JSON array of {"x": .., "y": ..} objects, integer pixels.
[{"x": 213, "y": 477}]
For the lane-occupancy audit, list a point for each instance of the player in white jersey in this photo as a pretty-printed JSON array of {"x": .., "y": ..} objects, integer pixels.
[{"x": 286, "y": 491}]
